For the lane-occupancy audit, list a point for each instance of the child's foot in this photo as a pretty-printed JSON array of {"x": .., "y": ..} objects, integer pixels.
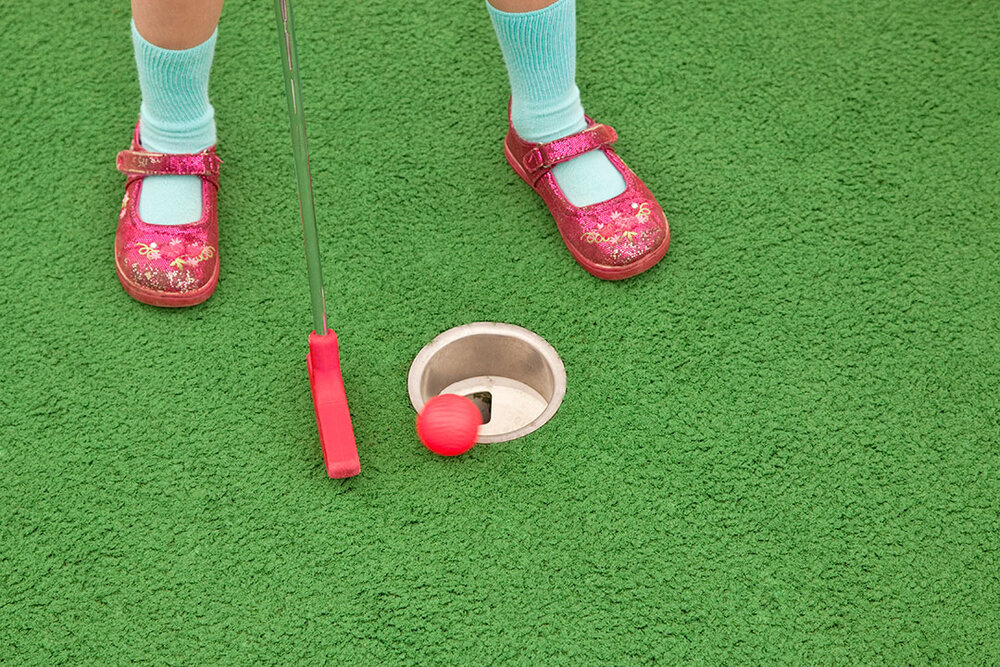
[
  {"x": 166, "y": 248},
  {"x": 607, "y": 217},
  {"x": 612, "y": 239},
  {"x": 167, "y": 265}
]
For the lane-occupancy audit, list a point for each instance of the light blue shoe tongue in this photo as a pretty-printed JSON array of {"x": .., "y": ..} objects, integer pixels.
[
  {"x": 589, "y": 179},
  {"x": 170, "y": 200}
]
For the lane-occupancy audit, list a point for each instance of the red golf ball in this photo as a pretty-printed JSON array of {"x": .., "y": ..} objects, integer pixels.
[{"x": 449, "y": 424}]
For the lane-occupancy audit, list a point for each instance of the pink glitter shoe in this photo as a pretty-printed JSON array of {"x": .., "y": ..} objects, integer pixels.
[
  {"x": 613, "y": 239},
  {"x": 168, "y": 265}
]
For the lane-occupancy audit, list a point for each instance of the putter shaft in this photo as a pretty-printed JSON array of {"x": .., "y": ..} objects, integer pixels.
[{"x": 300, "y": 151}]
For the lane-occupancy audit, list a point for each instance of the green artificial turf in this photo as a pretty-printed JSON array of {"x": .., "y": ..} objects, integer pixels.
[{"x": 780, "y": 445}]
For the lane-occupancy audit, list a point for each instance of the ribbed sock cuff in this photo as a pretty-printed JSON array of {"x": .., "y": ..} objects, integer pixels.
[
  {"x": 539, "y": 49},
  {"x": 175, "y": 116}
]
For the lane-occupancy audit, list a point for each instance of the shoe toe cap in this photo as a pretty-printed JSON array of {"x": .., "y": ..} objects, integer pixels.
[
  {"x": 621, "y": 239},
  {"x": 165, "y": 266}
]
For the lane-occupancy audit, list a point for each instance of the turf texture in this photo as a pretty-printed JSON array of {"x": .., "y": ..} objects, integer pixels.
[{"x": 778, "y": 446}]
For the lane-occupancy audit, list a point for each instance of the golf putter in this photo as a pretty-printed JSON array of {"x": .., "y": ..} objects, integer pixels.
[{"x": 333, "y": 418}]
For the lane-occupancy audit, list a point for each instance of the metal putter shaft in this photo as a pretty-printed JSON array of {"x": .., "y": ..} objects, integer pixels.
[{"x": 333, "y": 418}]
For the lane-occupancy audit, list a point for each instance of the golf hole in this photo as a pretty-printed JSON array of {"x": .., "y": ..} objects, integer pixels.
[{"x": 513, "y": 376}]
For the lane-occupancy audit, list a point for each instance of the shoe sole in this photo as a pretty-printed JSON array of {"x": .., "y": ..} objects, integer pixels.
[
  {"x": 166, "y": 299},
  {"x": 602, "y": 271}
]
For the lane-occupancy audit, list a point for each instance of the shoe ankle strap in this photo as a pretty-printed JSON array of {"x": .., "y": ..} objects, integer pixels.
[
  {"x": 143, "y": 163},
  {"x": 545, "y": 156}
]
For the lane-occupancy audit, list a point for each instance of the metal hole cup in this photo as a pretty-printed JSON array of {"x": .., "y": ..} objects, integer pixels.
[{"x": 522, "y": 372}]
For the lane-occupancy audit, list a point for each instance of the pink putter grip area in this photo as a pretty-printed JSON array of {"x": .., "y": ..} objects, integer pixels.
[{"x": 333, "y": 418}]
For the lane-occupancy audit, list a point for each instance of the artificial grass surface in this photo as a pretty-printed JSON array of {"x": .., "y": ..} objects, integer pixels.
[{"x": 779, "y": 445}]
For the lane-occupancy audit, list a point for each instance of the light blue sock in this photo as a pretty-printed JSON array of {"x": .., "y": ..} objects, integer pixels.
[
  {"x": 175, "y": 117},
  {"x": 539, "y": 49}
]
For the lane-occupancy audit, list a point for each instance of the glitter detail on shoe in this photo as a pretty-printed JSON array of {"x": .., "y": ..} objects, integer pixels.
[
  {"x": 208, "y": 252},
  {"x": 613, "y": 239},
  {"x": 175, "y": 265}
]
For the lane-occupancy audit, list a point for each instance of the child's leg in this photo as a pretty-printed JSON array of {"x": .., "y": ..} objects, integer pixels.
[
  {"x": 176, "y": 24},
  {"x": 174, "y": 43},
  {"x": 538, "y": 40}
]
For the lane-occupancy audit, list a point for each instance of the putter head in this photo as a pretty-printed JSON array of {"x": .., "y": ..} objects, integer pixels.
[{"x": 333, "y": 418}]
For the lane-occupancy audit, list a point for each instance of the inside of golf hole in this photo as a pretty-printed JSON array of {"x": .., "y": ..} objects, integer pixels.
[
  {"x": 512, "y": 404},
  {"x": 484, "y": 401}
]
